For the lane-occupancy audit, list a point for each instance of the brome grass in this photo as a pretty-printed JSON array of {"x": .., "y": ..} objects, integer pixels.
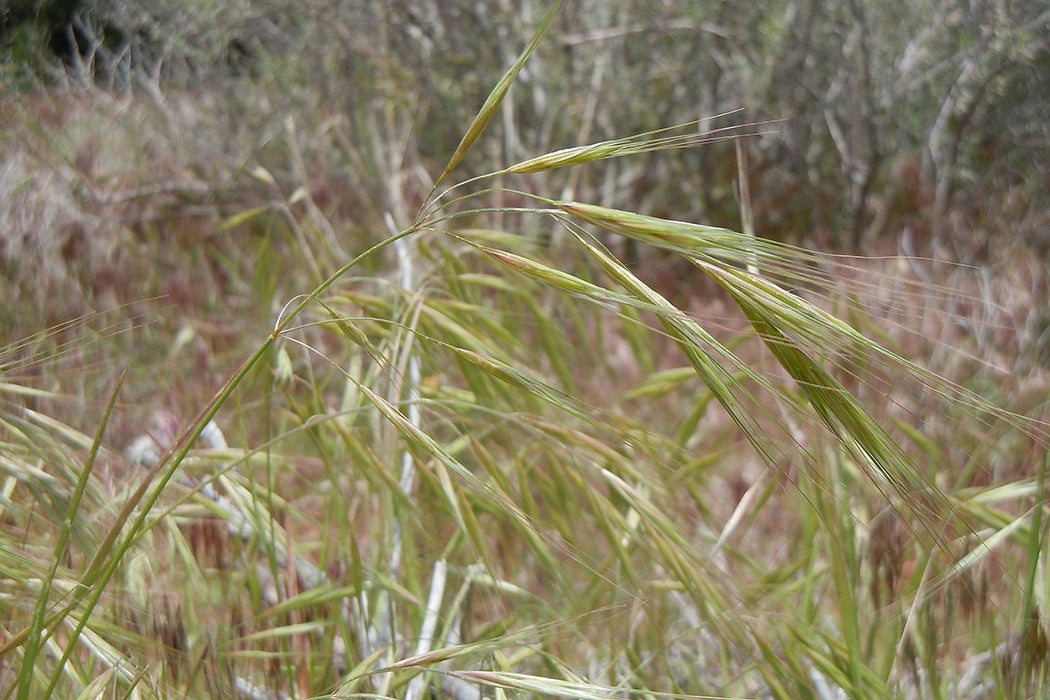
[{"x": 515, "y": 470}]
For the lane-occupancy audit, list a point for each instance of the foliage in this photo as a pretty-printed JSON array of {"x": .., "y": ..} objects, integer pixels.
[
  {"x": 483, "y": 455},
  {"x": 888, "y": 114}
]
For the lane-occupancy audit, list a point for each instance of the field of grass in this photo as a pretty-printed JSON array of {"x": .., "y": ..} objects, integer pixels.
[{"x": 263, "y": 435}]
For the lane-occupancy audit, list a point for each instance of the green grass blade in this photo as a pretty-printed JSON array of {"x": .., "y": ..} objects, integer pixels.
[{"x": 36, "y": 627}]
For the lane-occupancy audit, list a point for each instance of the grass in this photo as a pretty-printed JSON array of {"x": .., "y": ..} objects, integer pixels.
[{"x": 479, "y": 463}]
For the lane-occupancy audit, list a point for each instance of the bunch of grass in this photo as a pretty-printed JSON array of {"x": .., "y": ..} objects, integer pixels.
[{"x": 523, "y": 475}]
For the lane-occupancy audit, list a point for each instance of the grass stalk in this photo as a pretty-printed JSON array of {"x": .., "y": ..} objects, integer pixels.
[{"x": 40, "y": 617}]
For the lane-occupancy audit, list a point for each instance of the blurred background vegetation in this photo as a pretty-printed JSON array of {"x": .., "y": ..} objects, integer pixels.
[
  {"x": 890, "y": 118},
  {"x": 174, "y": 171}
]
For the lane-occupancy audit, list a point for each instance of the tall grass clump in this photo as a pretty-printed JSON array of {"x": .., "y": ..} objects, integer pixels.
[{"x": 511, "y": 466}]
